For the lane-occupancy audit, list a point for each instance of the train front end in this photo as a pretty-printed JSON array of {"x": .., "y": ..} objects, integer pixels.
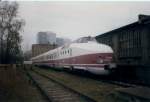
[{"x": 101, "y": 59}]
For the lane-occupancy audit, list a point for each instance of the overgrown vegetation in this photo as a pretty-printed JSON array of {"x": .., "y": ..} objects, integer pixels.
[{"x": 16, "y": 87}]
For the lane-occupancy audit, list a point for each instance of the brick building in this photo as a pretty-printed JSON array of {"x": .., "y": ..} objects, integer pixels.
[{"x": 38, "y": 49}]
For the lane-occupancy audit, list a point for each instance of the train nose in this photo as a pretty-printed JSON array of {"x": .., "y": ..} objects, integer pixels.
[{"x": 104, "y": 59}]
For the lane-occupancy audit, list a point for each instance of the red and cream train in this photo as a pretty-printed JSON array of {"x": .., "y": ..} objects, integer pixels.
[{"x": 83, "y": 54}]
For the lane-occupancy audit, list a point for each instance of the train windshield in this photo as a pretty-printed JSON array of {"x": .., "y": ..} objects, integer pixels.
[{"x": 85, "y": 39}]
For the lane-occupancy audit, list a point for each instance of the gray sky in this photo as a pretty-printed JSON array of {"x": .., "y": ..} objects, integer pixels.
[{"x": 77, "y": 19}]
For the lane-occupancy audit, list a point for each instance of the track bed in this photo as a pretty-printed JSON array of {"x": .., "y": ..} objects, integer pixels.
[
  {"x": 94, "y": 89},
  {"x": 56, "y": 92}
]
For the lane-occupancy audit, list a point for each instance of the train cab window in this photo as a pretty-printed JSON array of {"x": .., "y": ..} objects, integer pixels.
[
  {"x": 54, "y": 55},
  {"x": 70, "y": 52}
]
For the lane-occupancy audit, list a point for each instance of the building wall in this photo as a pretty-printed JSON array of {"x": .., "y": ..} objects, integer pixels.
[
  {"x": 46, "y": 38},
  {"x": 51, "y": 38},
  {"x": 60, "y": 41},
  {"x": 131, "y": 43},
  {"x": 38, "y": 49}
]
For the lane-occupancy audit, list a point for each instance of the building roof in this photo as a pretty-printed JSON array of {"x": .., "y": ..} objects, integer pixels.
[{"x": 143, "y": 19}]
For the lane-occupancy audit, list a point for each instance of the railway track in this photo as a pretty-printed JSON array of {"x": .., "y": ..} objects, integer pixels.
[
  {"x": 87, "y": 89},
  {"x": 104, "y": 79},
  {"x": 55, "y": 91},
  {"x": 93, "y": 89}
]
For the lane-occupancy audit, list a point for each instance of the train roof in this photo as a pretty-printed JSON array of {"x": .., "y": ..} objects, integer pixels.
[{"x": 90, "y": 46}]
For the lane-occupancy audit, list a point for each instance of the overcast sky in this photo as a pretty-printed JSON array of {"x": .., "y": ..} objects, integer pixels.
[{"x": 77, "y": 19}]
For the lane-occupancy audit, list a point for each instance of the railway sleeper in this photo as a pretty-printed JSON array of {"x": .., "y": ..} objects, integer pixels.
[{"x": 57, "y": 93}]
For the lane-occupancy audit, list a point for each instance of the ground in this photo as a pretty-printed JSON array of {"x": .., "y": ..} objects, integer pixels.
[{"x": 16, "y": 87}]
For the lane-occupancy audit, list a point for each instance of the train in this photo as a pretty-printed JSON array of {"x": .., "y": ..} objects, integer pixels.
[{"x": 84, "y": 54}]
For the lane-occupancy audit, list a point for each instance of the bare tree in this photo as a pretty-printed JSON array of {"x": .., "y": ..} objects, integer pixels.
[{"x": 10, "y": 27}]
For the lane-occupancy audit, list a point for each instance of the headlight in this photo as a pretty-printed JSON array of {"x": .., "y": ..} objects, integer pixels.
[{"x": 100, "y": 61}]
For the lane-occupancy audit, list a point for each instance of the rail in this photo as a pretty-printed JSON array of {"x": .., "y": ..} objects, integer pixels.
[{"x": 54, "y": 90}]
